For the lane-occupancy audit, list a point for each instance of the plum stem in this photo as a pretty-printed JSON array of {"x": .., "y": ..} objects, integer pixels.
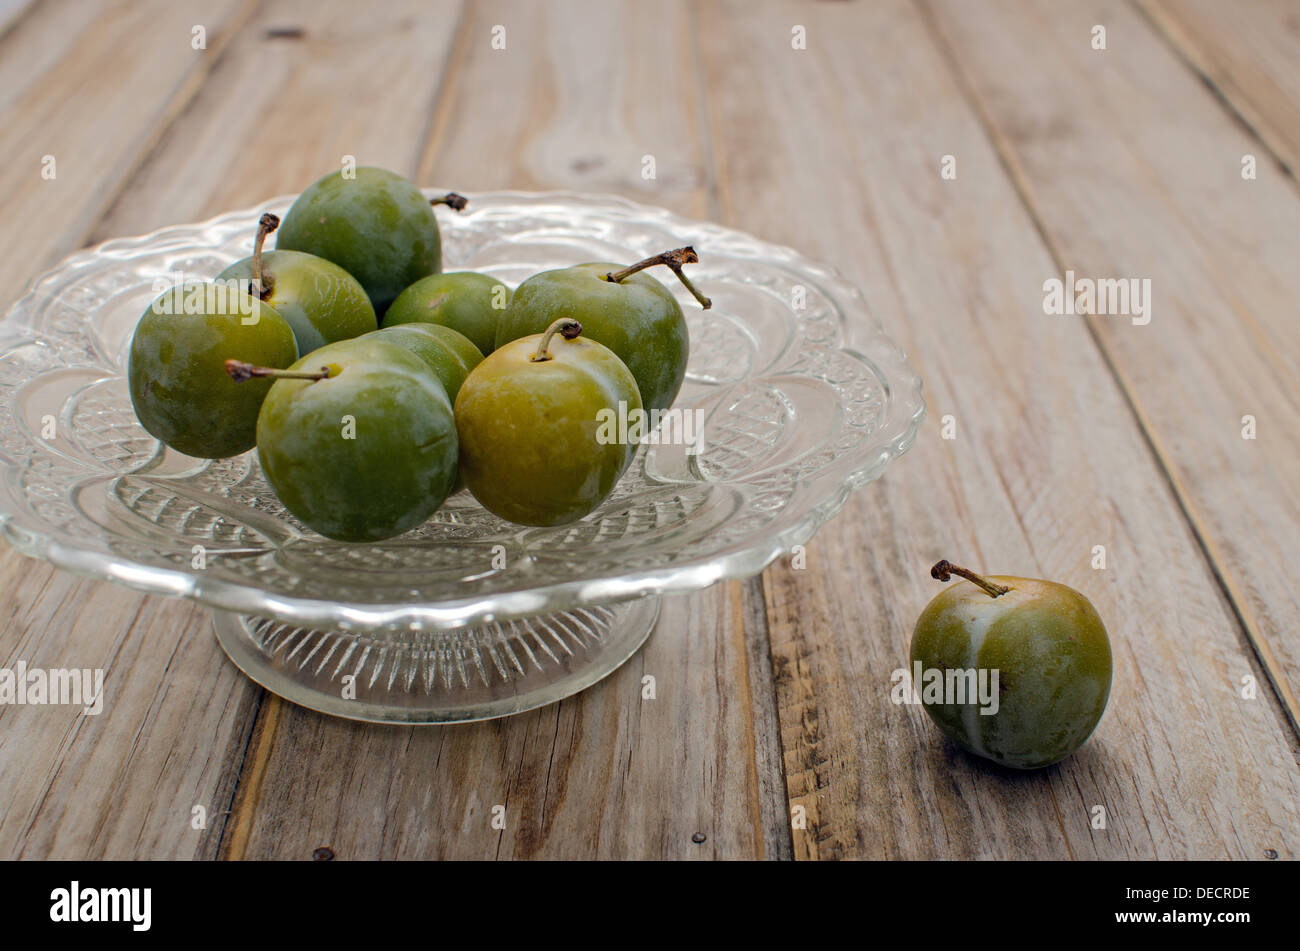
[
  {"x": 943, "y": 570},
  {"x": 566, "y": 327},
  {"x": 265, "y": 225},
  {"x": 673, "y": 260},
  {"x": 451, "y": 200},
  {"x": 240, "y": 371}
]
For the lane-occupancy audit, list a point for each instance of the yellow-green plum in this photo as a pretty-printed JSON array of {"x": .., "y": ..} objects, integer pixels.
[
  {"x": 176, "y": 367},
  {"x": 374, "y": 224},
  {"x": 529, "y": 418},
  {"x": 466, "y": 301},
  {"x": 1048, "y": 648},
  {"x": 322, "y": 302},
  {"x": 629, "y": 312}
]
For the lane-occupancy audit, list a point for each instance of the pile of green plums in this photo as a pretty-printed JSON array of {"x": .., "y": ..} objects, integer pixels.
[{"x": 373, "y": 385}]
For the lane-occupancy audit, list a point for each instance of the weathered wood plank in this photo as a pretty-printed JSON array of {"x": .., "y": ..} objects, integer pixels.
[
  {"x": 1047, "y": 462},
  {"x": 1153, "y": 188},
  {"x": 179, "y": 715},
  {"x": 125, "y": 782},
  {"x": 93, "y": 85},
  {"x": 1248, "y": 52},
  {"x": 71, "y": 87},
  {"x": 48, "y": 30},
  {"x": 11, "y": 11},
  {"x": 604, "y": 774},
  {"x": 582, "y": 95},
  {"x": 282, "y": 110}
]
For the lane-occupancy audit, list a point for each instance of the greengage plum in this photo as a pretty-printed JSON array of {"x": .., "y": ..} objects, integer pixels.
[
  {"x": 362, "y": 446},
  {"x": 528, "y": 418},
  {"x": 629, "y": 312},
  {"x": 447, "y": 353},
  {"x": 462, "y": 300},
  {"x": 321, "y": 301},
  {"x": 176, "y": 366},
  {"x": 1051, "y": 654},
  {"x": 374, "y": 224}
]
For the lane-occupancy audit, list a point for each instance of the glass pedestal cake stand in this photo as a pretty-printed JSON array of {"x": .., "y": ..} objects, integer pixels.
[{"x": 802, "y": 395}]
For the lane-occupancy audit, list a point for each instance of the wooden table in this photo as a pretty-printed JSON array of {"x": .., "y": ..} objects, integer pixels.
[{"x": 1068, "y": 432}]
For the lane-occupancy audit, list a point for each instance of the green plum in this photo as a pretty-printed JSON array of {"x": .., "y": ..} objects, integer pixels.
[
  {"x": 374, "y": 224},
  {"x": 529, "y": 418},
  {"x": 176, "y": 367},
  {"x": 1049, "y": 650},
  {"x": 449, "y": 354},
  {"x": 462, "y": 300},
  {"x": 322, "y": 302},
  {"x": 362, "y": 444},
  {"x": 629, "y": 312}
]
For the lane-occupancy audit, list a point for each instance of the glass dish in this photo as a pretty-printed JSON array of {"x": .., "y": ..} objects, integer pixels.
[{"x": 804, "y": 399}]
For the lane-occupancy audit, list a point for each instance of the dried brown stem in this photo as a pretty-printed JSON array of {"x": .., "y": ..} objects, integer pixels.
[
  {"x": 945, "y": 569},
  {"x": 566, "y": 327},
  {"x": 673, "y": 260},
  {"x": 260, "y": 287},
  {"x": 451, "y": 200}
]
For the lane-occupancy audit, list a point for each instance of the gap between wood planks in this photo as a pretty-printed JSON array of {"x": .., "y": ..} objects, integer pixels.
[
  {"x": 767, "y": 757},
  {"x": 767, "y": 748},
  {"x": 1020, "y": 182},
  {"x": 9, "y": 21},
  {"x": 1184, "y": 48},
  {"x": 232, "y": 843}
]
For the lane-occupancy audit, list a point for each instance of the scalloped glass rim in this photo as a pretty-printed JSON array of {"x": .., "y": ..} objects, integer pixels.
[{"x": 861, "y": 336}]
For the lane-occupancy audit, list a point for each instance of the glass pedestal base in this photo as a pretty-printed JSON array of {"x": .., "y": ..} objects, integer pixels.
[{"x": 444, "y": 676}]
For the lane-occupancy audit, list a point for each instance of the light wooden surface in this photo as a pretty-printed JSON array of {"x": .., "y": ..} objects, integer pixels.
[{"x": 1070, "y": 432}]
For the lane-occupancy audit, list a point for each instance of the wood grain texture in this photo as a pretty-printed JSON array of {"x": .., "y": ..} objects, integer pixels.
[
  {"x": 123, "y": 783},
  {"x": 580, "y": 96},
  {"x": 1047, "y": 462},
  {"x": 607, "y": 773},
  {"x": 71, "y": 791},
  {"x": 11, "y": 11},
  {"x": 279, "y": 112},
  {"x": 1248, "y": 53},
  {"x": 772, "y": 693},
  {"x": 75, "y": 90},
  {"x": 111, "y": 785},
  {"x": 1152, "y": 188}
]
